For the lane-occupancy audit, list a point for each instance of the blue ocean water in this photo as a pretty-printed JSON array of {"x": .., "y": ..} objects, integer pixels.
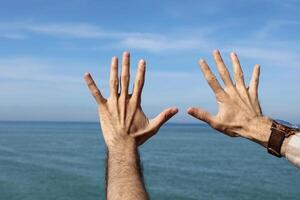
[{"x": 65, "y": 161}]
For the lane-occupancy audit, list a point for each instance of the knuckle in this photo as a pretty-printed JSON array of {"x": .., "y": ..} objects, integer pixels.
[
  {"x": 219, "y": 91},
  {"x": 114, "y": 66},
  {"x": 125, "y": 78},
  {"x": 230, "y": 89},
  {"x": 95, "y": 92},
  {"x": 114, "y": 82},
  {"x": 239, "y": 75},
  {"x": 211, "y": 78},
  {"x": 165, "y": 117},
  {"x": 221, "y": 97},
  {"x": 204, "y": 116},
  {"x": 222, "y": 71},
  {"x": 91, "y": 83},
  {"x": 218, "y": 58},
  {"x": 140, "y": 83}
]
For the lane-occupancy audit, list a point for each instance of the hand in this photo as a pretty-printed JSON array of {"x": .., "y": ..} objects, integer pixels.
[
  {"x": 239, "y": 109},
  {"x": 121, "y": 116}
]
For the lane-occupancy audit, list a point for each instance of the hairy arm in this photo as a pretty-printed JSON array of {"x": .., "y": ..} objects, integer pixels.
[
  {"x": 125, "y": 127},
  {"x": 124, "y": 176}
]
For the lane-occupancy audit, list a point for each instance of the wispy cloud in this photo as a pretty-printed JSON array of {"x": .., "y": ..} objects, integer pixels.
[
  {"x": 18, "y": 70},
  {"x": 269, "y": 44},
  {"x": 253, "y": 46},
  {"x": 154, "y": 42},
  {"x": 273, "y": 26},
  {"x": 71, "y": 30},
  {"x": 167, "y": 74},
  {"x": 14, "y": 36},
  {"x": 271, "y": 55},
  {"x": 68, "y": 30},
  {"x": 159, "y": 44},
  {"x": 31, "y": 69}
]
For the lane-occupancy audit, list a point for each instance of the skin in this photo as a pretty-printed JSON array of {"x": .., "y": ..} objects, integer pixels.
[
  {"x": 125, "y": 127},
  {"x": 239, "y": 113}
]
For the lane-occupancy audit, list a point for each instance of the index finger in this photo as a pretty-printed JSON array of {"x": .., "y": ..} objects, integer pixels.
[
  {"x": 93, "y": 88},
  {"x": 211, "y": 79}
]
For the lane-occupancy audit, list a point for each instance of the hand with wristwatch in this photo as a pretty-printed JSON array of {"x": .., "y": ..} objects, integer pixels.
[{"x": 240, "y": 113}]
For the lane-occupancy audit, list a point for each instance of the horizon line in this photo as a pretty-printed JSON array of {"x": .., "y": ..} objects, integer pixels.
[{"x": 88, "y": 122}]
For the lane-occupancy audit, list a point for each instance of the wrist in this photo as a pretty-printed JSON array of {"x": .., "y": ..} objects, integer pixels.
[
  {"x": 260, "y": 130},
  {"x": 123, "y": 147}
]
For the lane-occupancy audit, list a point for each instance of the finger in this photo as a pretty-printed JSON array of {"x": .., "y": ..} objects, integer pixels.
[
  {"x": 202, "y": 115},
  {"x": 211, "y": 79},
  {"x": 239, "y": 79},
  {"x": 223, "y": 71},
  {"x": 93, "y": 89},
  {"x": 162, "y": 118},
  {"x": 238, "y": 72},
  {"x": 253, "y": 86},
  {"x": 139, "y": 81},
  {"x": 253, "y": 89},
  {"x": 125, "y": 74},
  {"x": 114, "y": 81}
]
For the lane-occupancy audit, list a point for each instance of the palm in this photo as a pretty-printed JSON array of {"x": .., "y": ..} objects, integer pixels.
[{"x": 140, "y": 122}]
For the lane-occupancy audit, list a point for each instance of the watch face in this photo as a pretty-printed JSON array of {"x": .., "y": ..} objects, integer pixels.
[{"x": 288, "y": 124}]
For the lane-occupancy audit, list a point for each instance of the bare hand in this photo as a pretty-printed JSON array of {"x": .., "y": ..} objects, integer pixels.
[
  {"x": 239, "y": 109},
  {"x": 121, "y": 116}
]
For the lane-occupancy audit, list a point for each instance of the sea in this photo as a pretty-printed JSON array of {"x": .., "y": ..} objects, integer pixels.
[{"x": 66, "y": 161}]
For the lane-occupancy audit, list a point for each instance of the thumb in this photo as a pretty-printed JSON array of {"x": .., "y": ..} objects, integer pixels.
[
  {"x": 163, "y": 117},
  {"x": 201, "y": 114}
]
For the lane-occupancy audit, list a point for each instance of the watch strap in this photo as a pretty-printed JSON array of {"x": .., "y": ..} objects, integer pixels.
[
  {"x": 275, "y": 143},
  {"x": 278, "y": 133}
]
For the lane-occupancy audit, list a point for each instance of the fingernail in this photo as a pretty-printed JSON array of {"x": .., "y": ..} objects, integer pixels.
[
  {"x": 174, "y": 110},
  {"x": 190, "y": 109},
  {"x": 202, "y": 60},
  {"x": 233, "y": 54},
  {"x": 216, "y": 51}
]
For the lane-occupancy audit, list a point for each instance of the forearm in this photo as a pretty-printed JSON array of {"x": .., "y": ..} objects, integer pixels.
[
  {"x": 292, "y": 149},
  {"x": 124, "y": 177}
]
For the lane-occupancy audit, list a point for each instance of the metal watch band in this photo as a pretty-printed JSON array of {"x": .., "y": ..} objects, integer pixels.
[{"x": 278, "y": 133}]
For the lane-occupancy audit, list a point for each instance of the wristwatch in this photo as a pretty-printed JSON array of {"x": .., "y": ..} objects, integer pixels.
[{"x": 279, "y": 131}]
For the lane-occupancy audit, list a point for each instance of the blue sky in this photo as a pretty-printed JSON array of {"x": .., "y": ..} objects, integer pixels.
[{"x": 46, "y": 46}]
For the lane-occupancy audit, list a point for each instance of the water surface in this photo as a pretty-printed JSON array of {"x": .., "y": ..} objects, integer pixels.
[{"x": 66, "y": 161}]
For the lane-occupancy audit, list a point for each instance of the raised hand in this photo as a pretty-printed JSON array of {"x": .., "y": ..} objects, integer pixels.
[
  {"x": 125, "y": 127},
  {"x": 121, "y": 114},
  {"x": 239, "y": 109}
]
